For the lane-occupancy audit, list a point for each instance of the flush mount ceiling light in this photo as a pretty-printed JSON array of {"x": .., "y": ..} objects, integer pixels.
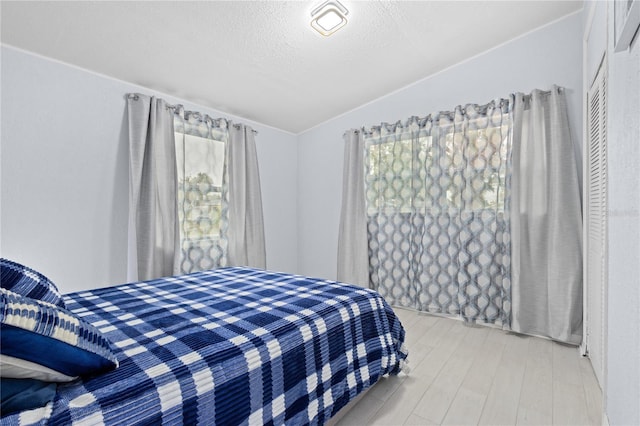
[{"x": 329, "y": 17}]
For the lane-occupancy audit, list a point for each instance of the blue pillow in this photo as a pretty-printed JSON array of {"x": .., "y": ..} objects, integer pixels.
[
  {"x": 28, "y": 282},
  {"x": 25, "y": 394},
  {"x": 42, "y": 341}
]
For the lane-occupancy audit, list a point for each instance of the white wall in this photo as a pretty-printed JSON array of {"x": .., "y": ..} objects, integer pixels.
[
  {"x": 65, "y": 169},
  {"x": 549, "y": 55},
  {"x": 622, "y": 381},
  {"x": 623, "y": 353}
]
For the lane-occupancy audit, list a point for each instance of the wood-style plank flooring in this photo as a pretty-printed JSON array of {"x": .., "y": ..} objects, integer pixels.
[{"x": 462, "y": 375}]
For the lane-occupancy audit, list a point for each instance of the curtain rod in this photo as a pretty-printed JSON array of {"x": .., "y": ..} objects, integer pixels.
[
  {"x": 544, "y": 92},
  {"x": 526, "y": 99},
  {"x": 174, "y": 108}
]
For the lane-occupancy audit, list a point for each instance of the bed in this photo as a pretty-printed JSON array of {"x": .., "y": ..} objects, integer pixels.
[{"x": 228, "y": 346}]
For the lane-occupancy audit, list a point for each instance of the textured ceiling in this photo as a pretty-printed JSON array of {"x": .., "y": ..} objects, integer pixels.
[{"x": 261, "y": 60}]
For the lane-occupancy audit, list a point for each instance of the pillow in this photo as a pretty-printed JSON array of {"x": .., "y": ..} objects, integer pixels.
[
  {"x": 28, "y": 282},
  {"x": 25, "y": 394},
  {"x": 42, "y": 341}
]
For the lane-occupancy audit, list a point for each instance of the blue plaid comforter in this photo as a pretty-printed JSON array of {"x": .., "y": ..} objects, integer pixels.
[{"x": 229, "y": 346}]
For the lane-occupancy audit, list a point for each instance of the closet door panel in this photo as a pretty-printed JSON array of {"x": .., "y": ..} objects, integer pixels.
[{"x": 596, "y": 222}]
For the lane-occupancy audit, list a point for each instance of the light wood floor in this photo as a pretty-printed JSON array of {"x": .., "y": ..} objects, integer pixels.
[{"x": 462, "y": 375}]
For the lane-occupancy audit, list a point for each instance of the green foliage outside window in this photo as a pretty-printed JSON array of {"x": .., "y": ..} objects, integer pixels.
[
  {"x": 200, "y": 207},
  {"x": 463, "y": 171}
]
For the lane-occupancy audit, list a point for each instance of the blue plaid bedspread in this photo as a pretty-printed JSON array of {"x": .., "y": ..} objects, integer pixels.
[{"x": 229, "y": 346}]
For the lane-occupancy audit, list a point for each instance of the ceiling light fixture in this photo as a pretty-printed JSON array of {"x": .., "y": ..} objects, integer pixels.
[{"x": 329, "y": 17}]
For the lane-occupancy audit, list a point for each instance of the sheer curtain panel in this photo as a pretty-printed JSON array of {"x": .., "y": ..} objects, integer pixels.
[
  {"x": 436, "y": 212},
  {"x": 153, "y": 218},
  {"x": 203, "y": 196},
  {"x": 546, "y": 220}
]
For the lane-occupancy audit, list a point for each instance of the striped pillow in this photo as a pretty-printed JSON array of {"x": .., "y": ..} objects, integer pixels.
[
  {"x": 42, "y": 341},
  {"x": 28, "y": 282}
]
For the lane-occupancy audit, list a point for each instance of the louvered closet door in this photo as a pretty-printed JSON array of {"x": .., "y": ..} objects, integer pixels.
[{"x": 596, "y": 220}]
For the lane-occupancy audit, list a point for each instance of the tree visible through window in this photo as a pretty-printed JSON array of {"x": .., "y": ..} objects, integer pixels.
[
  {"x": 463, "y": 171},
  {"x": 203, "y": 206},
  {"x": 202, "y": 197}
]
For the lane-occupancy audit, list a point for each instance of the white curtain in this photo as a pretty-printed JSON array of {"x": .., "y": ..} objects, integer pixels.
[
  {"x": 153, "y": 218},
  {"x": 158, "y": 245},
  {"x": 435, "y": 211},
  {"x": 353, "y": 257},
  {"x": 546, "y": 220},
  {"x": 203, "y": 195},
  {"x": 246, "y": 223},
  {"x": 473, "y": 212}
]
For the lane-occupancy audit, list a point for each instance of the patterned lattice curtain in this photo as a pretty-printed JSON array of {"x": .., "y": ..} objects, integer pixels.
[
  {"x": 203, "y": 196},
  {"x": 194, "y": 195},
  {"x": 219, "y": 198},
  {"x": 437, "y": 214}
]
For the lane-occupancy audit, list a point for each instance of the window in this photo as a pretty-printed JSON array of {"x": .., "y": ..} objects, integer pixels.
[
  {"x": 199, "y": 185},
  {"x": 202, "y": 194},
  {"x": 464, "y": 171}
]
